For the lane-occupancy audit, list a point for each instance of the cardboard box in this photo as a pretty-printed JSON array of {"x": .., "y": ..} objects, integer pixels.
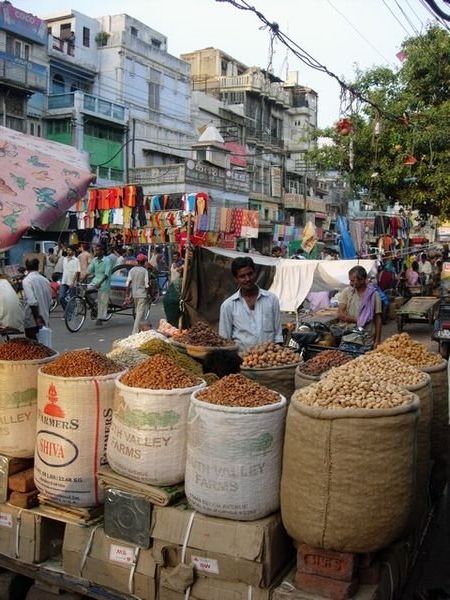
[
  {"x": 206, "y": 588},
  {"x": 88, "y": 553},
  {"x": 252, "y": 552},
  {"x": 27, "y": 536}
]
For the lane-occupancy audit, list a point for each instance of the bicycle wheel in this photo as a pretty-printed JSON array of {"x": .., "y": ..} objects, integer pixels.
[{"x": 75, "y": 314}]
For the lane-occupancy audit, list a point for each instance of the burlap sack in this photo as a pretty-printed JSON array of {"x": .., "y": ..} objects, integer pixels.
[
  {"x": 302, "y": 380},
  {"x": 348, "y": 475},
  {"x": 439, "y": 422},
  {"x": 279, "y": 379}
]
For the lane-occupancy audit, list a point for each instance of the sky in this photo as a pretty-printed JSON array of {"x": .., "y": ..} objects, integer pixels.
[{"x": 340, "y": 34}]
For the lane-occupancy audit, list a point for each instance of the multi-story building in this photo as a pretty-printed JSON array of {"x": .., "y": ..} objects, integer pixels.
[{"x": 23, "y": 69}]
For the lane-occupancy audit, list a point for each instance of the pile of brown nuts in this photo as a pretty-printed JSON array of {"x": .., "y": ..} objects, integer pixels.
[
  {"x": 237, "y": 390},
  {"x": 24, "y": 349},
  {"x": 82, "y": 363},
  {"x": 201, "y": 334},
  {"x": 407, "y": 350},
  {"x": 269, "y": 355},
  {"x": 159, "y": 372},
  {"x": 323, "y": 361}
]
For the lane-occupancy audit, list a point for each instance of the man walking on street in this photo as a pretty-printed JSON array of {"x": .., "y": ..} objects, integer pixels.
[
  {"x": 101, "y": 268},
  {"x": 38, "y": 296},
  {"x": 85, "y": 258},
  {"x": 138, "y": 285},
  {"x": 70, "y": 277}
]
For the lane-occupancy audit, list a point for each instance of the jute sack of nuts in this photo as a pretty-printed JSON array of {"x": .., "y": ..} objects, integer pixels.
[
  {"x": 302, "y": 379},
  {"x": 348, "y": 474},
  {"x": 439, "y": 422},
  {"x": 73, "y": 421},
  {"x": 147, "y": 441},
  {"x": 233, "y": 465},
  {"x": 280, "y": 379},
  {"x": 18, "y": 405}
]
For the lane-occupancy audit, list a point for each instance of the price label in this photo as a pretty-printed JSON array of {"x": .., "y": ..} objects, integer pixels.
[
  {"x": 121, "y": 554},
  {"x": 6, "y": 520},
  {"x": 206, "y": 565}
]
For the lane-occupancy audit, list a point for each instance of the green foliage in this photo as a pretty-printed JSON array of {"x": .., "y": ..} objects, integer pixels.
[{"x": 414, "y": 120}]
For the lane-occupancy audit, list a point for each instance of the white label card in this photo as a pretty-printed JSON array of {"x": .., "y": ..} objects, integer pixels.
[
  {"x": 6, "y": 520},
  {"x": 207, "y": 565},
  {"x": 121, "y": 554}
]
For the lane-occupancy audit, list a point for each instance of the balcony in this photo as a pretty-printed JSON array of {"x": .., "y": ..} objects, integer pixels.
[
  {"x": 256, "y": 82},
  {"x": 87, "y": 103},
  {"x": 62, "y": 46},
  {"x": 22, "y": 73},
  {"x": 294, "y": 201},
  {"x": 71, "y": 51}
]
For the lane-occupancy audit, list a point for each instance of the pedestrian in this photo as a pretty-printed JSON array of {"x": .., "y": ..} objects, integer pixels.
[
  {"x": 38, "y": 297},
  {"x": 100, "y": 267},
  {"x": 50, "y": 262},
  {"x": 176, "y": 268},
  {"x": 157, "y": 259},
  {"x": 11, "y": 311},
  {"x": 138, "y": 289},
  {"x": 58, "y": 270},
  {"x": 251, "y": 315},
  {"x": 425, "y": 269},
  {"x": 70, "y": 276},
  {"x": 112, "y": 256},
  {"x": 85, "y": 258}
]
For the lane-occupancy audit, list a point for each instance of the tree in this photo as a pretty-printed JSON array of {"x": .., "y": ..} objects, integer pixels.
[{"x": 400, "y": 147}]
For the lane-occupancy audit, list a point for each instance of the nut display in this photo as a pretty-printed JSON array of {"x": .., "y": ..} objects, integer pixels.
[
  {"x": 137, "y": 339},
  {"x": 237, "y": 390},
  {"x": 269, "y": 354},
  {"x": 127, "y": 357},
  {"x": 407, "y": 350},
  {"x": 24, "y": 349},
  {"x": 376, "y": 366},
  {"x": 351, "y": 391},
  {"x": 201, "y": 334},
  {"x": 166, "y": 328},
  {"x": 82, "y": 363},
  {"x": 324, "y": 361},
  {"x": 156, "y": 346},
  {"x": 159, "y": 373}
]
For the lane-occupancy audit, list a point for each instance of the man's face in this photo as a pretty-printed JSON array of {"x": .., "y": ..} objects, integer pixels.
[
  {"x": 99, "y": 252},
  {"x": 246, "y": 278},
  {"x": 357, "y": 282},
  {"x": 70, "y": 252}
]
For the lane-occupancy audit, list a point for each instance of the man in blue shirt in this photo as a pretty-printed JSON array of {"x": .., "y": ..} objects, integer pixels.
[{"x": 251, "y": 315}]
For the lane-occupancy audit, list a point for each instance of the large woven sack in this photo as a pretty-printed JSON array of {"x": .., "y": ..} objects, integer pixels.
[
  {"x": 147, "y": 441},
  {"x": 302, "y": 379},
  {"x": 348, "y": 475},
  {"x": 279, "y": 379},
  {"x": 18, "y": 402},
  {"x": 74, "y": 417},
  {"x": 233, "y": 465},
  {"x": 439, "y": 422}
]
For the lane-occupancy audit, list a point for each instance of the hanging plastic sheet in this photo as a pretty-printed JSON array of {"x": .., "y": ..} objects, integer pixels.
[{"x": 346, "y": 246}]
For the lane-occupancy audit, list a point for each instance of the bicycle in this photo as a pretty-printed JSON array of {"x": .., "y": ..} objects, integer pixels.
[{"x": 78, "y": 305}]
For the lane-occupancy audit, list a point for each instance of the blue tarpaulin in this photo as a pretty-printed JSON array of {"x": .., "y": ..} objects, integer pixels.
[{"x": 346, "y": 246}]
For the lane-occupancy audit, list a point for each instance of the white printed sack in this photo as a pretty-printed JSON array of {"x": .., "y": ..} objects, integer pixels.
[
  {"x": 73, "y": 421},
  {"x": 233, "y": 465},
  {"x": 18, "y": 401},
  {"x": 147, "y": 441}
]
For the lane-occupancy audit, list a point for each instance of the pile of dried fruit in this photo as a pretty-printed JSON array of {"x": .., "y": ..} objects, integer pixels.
[
  {"x": 201, "y": 334},
  {"x": 407, "y": 350},
  {"x": 159, "y": 373},
  {"x": 237, "y": 390},
  {"x": 351, "y": 391},
  {"x": 323, "y": 361},
  {"x": 24, "y": 349},
  {"x": 137, "y": 339},
  {"x": 184, "y": 361},
  {"x": 82, "y": 363},
  {"x": 269, "y": 354},
  {"x": 382, "y": 368},
  {"x": 166, "y": 328},
  {"x": 126, "y": 357}
]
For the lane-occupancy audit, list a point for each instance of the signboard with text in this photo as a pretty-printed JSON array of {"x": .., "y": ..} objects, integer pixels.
[{"x": 22, "y": 23}]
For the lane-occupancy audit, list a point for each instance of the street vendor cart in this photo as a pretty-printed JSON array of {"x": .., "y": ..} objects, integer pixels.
[{"x": 420, "y": 309}]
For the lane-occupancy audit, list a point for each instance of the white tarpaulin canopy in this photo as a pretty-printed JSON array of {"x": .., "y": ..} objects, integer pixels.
[{"x": 294, "y": 279}]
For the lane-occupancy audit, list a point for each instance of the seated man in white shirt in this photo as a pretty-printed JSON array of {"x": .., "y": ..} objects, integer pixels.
[{"x": 251, "y": 315}]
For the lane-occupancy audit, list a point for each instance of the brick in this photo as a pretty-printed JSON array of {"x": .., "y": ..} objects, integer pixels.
[
  {"x": 325, "y": 586},
  {"x": 22, "y": 482},
  {"x": 326, "y": 563},
  {"x": 24, "y": 499}
]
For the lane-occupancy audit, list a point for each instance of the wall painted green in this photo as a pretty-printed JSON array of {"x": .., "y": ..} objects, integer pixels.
[
  {"x": 62, "y": 138},
  {"x": 101, "y": 151}
]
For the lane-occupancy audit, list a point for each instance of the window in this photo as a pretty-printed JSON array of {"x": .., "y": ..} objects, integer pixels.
[
  {"x": 224, "y": 67},
  {"x": 17, "y": 49},
  {"x": 49, "y": 30},
  {"x": 133, "y": 31},
  {"x": 156, "y": 43},
  {"x": 65, "y": 30},
  {"x": 58, "y": 86},
  {"x": 31, "y": 128},
  {"x": 154, "y": 88},
  {"x": 86, "y": 36}
]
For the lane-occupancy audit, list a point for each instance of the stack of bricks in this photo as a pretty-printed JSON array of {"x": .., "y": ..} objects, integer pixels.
[
  {"x": 327, "y": 573},
  {"x": 23, "y": 492}
]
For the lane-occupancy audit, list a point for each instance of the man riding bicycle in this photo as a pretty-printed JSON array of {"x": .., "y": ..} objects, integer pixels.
[{"x": 101, "y": 268}]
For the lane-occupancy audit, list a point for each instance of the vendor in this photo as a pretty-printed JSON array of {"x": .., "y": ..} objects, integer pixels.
[
  {"x": 11, "y": 311},
  {"x": 251, "y": 315},
  {"x": 360, "y": 304}
]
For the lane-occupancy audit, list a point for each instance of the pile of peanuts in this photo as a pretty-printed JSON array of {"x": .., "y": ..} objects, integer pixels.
[
  {"x": 159, "y": 373},
  {"x": 407, "y": 350},
  {"x": 350, "y": 391},
  {"x": 127, "y": 357},
  {"x": 82, "y": 363},
  {"x": 380, "y": 367},
  {"x": 323, "y": 361},
  {"x": 237, "y": 390},
  {"x": 137, "y": 339},
  {"x": 201, "y": 334},
  {"x": 269, "y": 355},
  {"x": 24, "y": 349}
]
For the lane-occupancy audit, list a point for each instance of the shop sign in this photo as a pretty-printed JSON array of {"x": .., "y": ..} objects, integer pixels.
[
  {"x": 275, "y": 181},
  {"x": 22, "y": 23},
  {"x": 237, "y": 181},
  {"x": 26, "y": 64},
  {"x": 315, "y": 205},
  {"x": 294, "y": 201},
  {"x": 198, "y": 172}
]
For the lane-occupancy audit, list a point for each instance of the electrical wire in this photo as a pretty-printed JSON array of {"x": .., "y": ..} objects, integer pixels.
[
  {"x": 415, "y": 14},
  {"x": 407, "y": 18},
  {"x": 408, "y": 33},
  {"x": 435, "y": 16}
]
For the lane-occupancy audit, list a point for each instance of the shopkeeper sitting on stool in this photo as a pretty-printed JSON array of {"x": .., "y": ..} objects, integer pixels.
[{"x": 360, "y": 304}]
